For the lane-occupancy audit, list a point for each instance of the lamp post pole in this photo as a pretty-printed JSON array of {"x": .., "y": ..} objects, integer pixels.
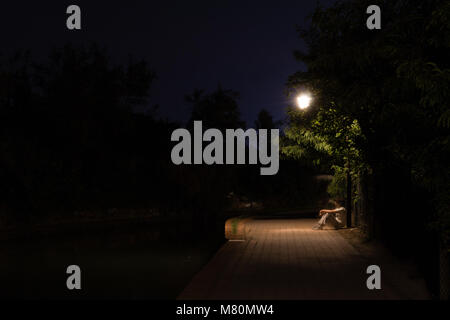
[
  {"x": 349, "y": 186},
  {"x": 349, "y": 196}
]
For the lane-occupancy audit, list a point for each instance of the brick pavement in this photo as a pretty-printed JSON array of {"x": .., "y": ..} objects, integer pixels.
[{"x": 285, "y": 259}]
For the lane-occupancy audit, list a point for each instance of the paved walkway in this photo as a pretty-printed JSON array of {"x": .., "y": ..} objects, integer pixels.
[{"x": 286, "y": 259}]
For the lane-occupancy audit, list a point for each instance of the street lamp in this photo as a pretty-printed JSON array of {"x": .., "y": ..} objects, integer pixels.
[{"x": 303, "y": 101}]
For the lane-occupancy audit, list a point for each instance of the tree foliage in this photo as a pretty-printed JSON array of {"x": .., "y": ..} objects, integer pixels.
[
  {"x": 217, "y": 110},
  {"x": 265, "y": 120},
  {"x": 386, "y": 91}
]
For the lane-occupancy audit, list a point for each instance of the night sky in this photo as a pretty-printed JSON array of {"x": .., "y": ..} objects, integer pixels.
[{"x": 243, "y": 45}]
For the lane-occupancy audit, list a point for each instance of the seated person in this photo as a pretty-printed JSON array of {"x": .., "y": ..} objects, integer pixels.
[{"x": 336, "y": 217}]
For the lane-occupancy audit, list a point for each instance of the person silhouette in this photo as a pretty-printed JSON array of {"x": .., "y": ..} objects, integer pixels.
[{"x": 335, "y": 217}]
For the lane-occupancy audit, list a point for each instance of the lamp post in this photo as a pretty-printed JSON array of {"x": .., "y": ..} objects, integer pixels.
[
  {"x": 349, "y": 196},
  {"x": 303, "y": 102}
]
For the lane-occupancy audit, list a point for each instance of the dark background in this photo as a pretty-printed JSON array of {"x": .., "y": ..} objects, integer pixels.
[
  {"x": 243, "y": 45},
  {"x": 72, "y": 152}
]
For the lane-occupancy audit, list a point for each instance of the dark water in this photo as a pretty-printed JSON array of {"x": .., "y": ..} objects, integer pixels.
[{"x": 139, "y": 262}]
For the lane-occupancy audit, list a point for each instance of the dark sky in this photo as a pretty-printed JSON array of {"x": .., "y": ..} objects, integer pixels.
[{"x": 245, "y": 45}]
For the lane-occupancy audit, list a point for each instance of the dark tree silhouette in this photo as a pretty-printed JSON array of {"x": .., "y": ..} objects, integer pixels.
[
  {"x": 266, "y": 121},
  {"x": 69, "y": 138},
  {"x": 217, "y": 110}
]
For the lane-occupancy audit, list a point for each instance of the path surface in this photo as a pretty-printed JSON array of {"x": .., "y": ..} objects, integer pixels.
[{"x": 286, "y": 259}]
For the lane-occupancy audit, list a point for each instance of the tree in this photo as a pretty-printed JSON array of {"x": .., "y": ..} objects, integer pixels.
[
  {"x": 217, "y": 110},
  {"x": 391, "y": 86},
  {"x": 66, "y": 127},
  {"x": 265, "y": 120}
]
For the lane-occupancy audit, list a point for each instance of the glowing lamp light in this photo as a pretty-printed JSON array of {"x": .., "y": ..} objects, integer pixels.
[{"x": 303, "y": 101}]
